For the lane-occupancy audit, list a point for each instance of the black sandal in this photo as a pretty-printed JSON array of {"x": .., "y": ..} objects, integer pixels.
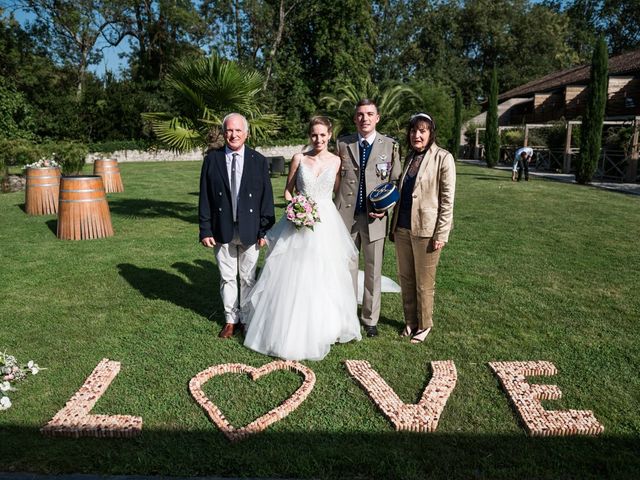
[{"x": 420, "y": 335}]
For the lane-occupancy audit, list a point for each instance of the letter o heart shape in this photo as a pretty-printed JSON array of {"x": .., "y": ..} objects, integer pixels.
[{"x": 285, "y": 408}]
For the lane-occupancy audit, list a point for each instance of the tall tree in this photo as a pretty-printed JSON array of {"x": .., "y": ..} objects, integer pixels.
[
  {"x": 74, "y": 29},
  {"x": 454, "y": 144},
  {"x": 16, "y": 115},
  {"x": 40, "y": 86},
  {"x": 336, "y": 43},
  {"x": 284, "y": 9},
  {"x": 584, "y": 25},
  {"x": 497, "y": 32},
  {"x": 492, "y": 135},
  {"x": 622, "y": 18},
  {"x": 394, "y": 27},
  {"x": 592, "y": 121},
  {"x": 433, "y": 44},
  {"x": 617, "y": 20},
  {"x": 163, "y": 32}
]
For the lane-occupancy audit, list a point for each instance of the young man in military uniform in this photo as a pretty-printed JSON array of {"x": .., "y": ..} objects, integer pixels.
[{"x": 368, "y": 159}]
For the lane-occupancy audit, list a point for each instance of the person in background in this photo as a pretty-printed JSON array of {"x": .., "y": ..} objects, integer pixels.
[
  {"x": 421, "y": 223},
  {"x": 521, "y": 161}
]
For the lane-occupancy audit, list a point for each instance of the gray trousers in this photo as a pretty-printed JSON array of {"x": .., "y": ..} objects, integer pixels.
[{"x": 236, "y": 260}]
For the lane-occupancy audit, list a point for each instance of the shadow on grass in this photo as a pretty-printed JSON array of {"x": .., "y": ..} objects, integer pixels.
[
  {"x": 198, "y": 292},
  {"x": 53, "y": 226},
  {"x": 147, "y": 208},
  {"x": 325, "y": 455},
  {"x": 397, "y": 324},
  {"x": 475, "y": 175},
  {"x": 494, "y": 179}
]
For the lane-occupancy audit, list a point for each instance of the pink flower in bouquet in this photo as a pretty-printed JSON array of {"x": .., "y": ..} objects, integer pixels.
[{"x": 302, "y": 212}]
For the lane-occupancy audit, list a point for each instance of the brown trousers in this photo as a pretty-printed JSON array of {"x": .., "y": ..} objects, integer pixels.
[{"x": 417, "y": 263}]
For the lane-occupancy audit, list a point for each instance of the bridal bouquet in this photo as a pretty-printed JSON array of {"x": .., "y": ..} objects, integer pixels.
[{"x": 302, "y": 212}]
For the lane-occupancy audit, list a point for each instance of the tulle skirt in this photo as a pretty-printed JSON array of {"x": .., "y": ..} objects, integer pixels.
[{"x": 304, "y": 301}]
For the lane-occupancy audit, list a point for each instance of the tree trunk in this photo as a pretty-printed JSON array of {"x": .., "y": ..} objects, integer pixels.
[
  {"x": 492, "y": 133},
  {"x": 238, "y": 30},
  {"x": 282, "y": 15}
]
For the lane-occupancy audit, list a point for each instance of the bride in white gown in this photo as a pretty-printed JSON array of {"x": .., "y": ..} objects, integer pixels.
[{"x": 304, "y": 300}]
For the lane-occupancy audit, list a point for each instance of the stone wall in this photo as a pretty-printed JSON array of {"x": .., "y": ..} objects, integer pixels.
[
  {"x": 123, "y": 156},
  {"x": 13, "y": 183}
]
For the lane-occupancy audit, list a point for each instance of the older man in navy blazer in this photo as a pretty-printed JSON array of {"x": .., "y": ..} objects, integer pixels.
[{"x": 236, "y": 210}]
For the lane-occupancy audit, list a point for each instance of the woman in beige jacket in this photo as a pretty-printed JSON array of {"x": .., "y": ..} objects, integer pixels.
[{"x": 421, "y": 222}]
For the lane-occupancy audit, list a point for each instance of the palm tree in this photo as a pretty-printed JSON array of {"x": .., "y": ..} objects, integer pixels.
[
  {"x": 207, "y": 89},
  {"x": 393, "y": 101}
]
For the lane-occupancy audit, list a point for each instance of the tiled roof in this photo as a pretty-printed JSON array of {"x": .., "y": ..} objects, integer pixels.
[{"x": 619, "y": 65}]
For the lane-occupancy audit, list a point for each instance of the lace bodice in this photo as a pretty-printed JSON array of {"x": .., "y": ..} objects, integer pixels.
[{"x": 318, "y": 188}]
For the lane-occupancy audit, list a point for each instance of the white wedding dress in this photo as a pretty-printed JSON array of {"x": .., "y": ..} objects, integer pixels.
[{"x": 304, "y": 301}]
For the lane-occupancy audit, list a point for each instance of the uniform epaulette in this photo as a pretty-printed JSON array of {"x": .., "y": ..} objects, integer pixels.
[{"x": 394, "y": 139}]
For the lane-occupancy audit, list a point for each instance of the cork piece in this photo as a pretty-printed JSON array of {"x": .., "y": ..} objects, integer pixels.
[
  {"x": 526, "y": 400},
  {"x": 75, "y": 420},
  {"x": 420, "y": 417},
  {"x": 235, "y": 434}
]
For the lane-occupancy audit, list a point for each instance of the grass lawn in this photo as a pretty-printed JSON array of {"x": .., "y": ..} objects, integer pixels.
[{"x": 533, "y": 271}]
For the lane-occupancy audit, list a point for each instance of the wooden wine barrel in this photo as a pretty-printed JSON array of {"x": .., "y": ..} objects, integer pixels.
[
  {"x": 109, "y": 170},
  {"x": 41, "y": 193},
  {"x": 83, "y": 211}
]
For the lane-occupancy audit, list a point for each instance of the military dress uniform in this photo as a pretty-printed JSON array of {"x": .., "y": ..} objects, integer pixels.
[{"x": 363, "y": 167}]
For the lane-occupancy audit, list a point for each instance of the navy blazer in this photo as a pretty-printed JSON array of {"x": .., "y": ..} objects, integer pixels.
[{"x": 255, "y": 198}]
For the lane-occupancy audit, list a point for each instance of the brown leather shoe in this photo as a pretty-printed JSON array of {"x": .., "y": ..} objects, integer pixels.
[{"x": 227, "y": 330}]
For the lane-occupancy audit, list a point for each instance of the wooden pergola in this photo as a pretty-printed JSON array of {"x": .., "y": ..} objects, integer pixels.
[{"x": 632, "y": 166}]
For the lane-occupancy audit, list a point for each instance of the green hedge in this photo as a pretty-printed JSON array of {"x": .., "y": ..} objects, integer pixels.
[
  {"x": 18, "y": 153},
  {"x": 70, "y": 155},
  {"x": 118, "y": 145}
]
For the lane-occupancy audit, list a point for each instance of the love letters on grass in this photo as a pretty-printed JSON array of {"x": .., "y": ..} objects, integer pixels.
[
  {"x": 259, "y": 424},
  {"x": 76, "y": 420}
]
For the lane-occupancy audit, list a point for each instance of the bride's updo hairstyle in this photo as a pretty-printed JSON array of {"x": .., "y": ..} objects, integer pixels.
[{"x": 320, "y": 120}]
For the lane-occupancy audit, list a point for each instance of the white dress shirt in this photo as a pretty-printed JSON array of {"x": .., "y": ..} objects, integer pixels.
[
  {"x": 239, "y": 164},
  {"x": 516, "y": 157},
  {"x": 370, "y": 139}
]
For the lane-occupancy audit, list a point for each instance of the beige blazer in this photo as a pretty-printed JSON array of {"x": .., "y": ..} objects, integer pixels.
[
  {"x": 433, "y": 193},
  {"x": 384, "y": 165}
]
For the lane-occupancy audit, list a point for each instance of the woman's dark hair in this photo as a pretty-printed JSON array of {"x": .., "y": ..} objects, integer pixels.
[
  {"x": 425, "y": 118},
  {"x": 320, "y": 120}
]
